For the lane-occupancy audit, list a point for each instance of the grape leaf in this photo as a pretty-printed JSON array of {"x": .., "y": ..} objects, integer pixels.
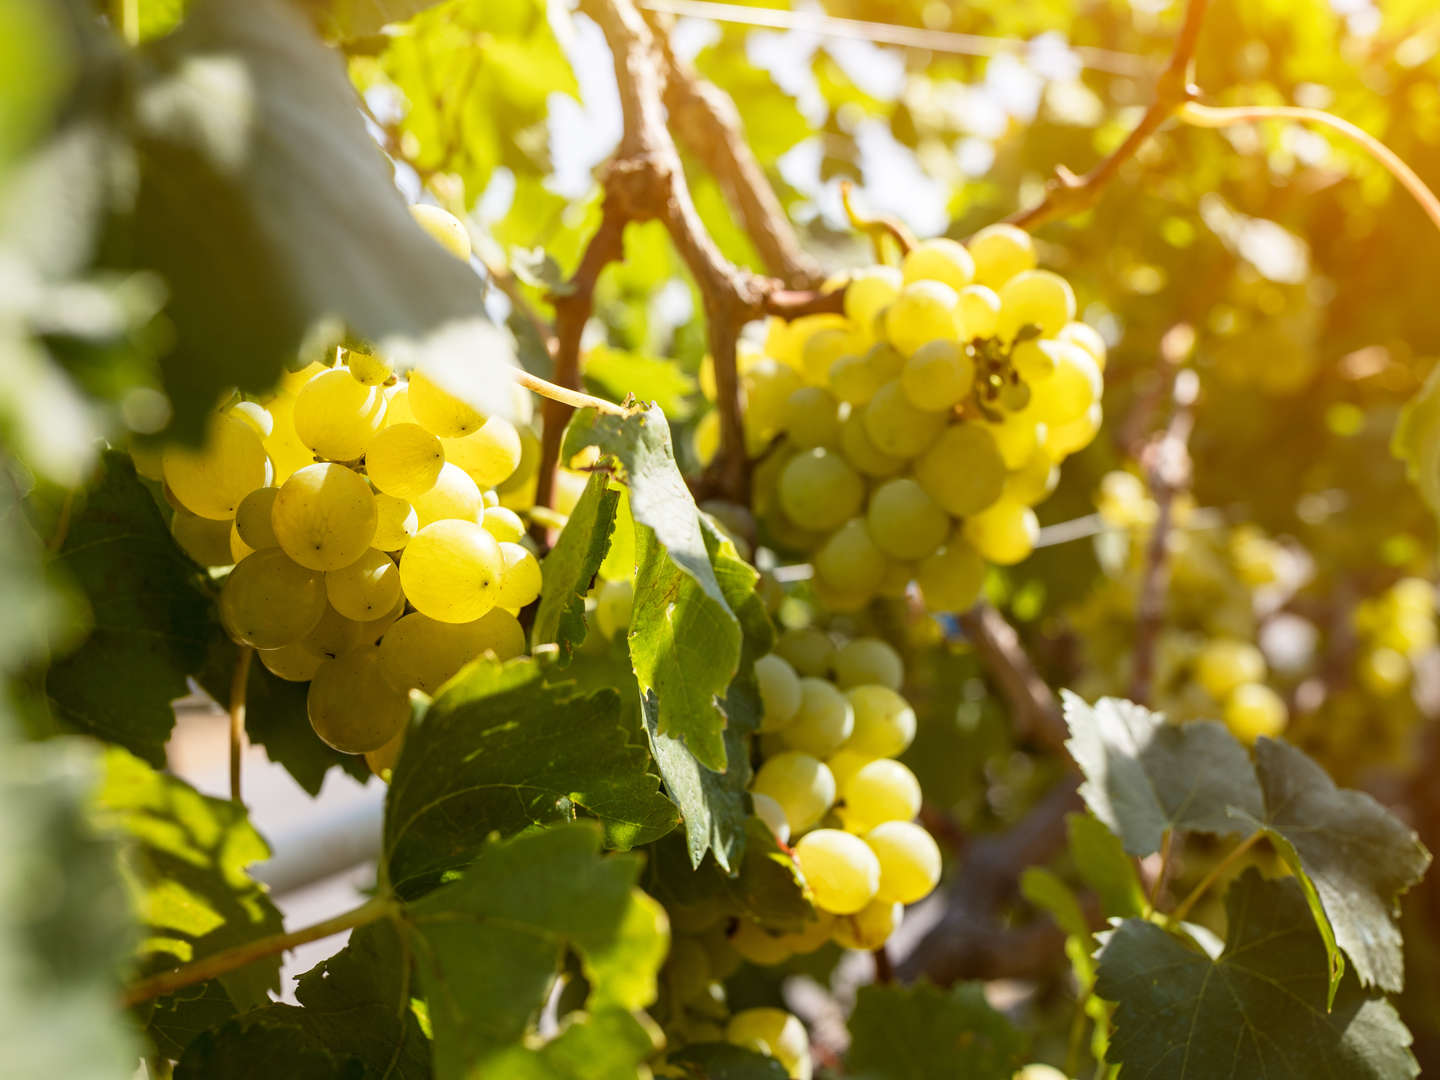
[
  {"x": 185, "y": 869},
  {"x": 345, "y": 20},
  {"x": 488, "y": 945},
  {"x": 685, "y": 640},
  {"x": 1144, "y": 776},
  {"x": 724, "y": 1061},
  {"x": 1101, "y": 862},
  {"x": 608, "y": 1045},
  {"x": 1352, "y": 856},
  {"x": 617, "y": 373},
  {"x": 767, "y": 889},
  {"x": 176, "y": 1020},
  {"x": 151, "y": 617},
  {"x": 921, "y": 1032},
  {"x": 571, "y": 566},
  {"x": 1258, "y": 1010},
  {"x": 242, "y": 123},
  {"x": 502, "y": 749},
  {"x": 259, "y": 1044}
]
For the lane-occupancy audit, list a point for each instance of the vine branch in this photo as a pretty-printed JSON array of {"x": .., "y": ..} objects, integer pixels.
[
  {"x": 239, "y": 684},
  {"x": 1033, "y": 707}
]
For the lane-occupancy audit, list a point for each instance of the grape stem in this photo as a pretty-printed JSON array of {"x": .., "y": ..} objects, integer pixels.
[
  {"x": 238, "y": 686},
  {"x": 574, "y": 398},
  {"x": 377, "y": 907},
  {"x": 1207, "y": 116},
  {"x": 1178, "y": 915},
  {"x": 877, "y": 228}
]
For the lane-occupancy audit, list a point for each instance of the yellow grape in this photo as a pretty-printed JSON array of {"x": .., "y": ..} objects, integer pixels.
[
  {"x": 853, "y": 379},
  {"x": 897, "y": 427},
  {"x": 845, "y": 763},
  {"x": 768, "y": 386},
  {"x": 368, "y": 369},
  {"x": 324, "y": 516},
  {"x": 861, "y": 453},
  {"x": 1063, "y": 439},
  {"x": 440, "y": 412},
  {"x": 1088, "y": 338},
  {"x": 422, "y": 653},
  {"x": 904, "y": 521},
  {"x": 807, "y": 649},
  {"x": 800, "y": 783},
  {"x": 1004, "y": 532},
  {"x": 812, "y": 418},
  {"x": 453, "y": 495},
  {"x": 952, "y": 577},
  {"x": 286, "y": 451},
  {"x": 963, "y": 471},
  {"x": 884, "y": 721},
  {"x": 924, "y": 311},
  {"x": 503, "y": 524},
  {"x": 292, "y": 381},
  {"x": 1015, "y": 437},
  {"x": 1033, "y": 359},
  {"x": 382, "y": 762},
  {"x": 772, "y": 814},
  {"x": 521, "y": 582},
  {"x": 814, "y": 934},
  {"x": 335, "y": 635},
  {"x": 366, "y": 589},
  {"x": 404, "y": 460},
  {"x": 779, "y": 691},
  {"x": 849, "y": 560},
  {"x": 977, "y": 313},
  {"x": 352, "y": 707},
  {"x": 148, "y": 459},
  {"x": 822, "y": 349},
  {"x": 451, "y": 571},
  {"x": 757, "y": 945},
  {"x": 254, "y": 414},
  {"x": 938, "y": 376},
  {"x": 395, "y": 523},
  {"x": 841, "y": 870},
  {"x": 1255, "y": 710},
  {"x": 818, "y": 490},
  {"x": 1225, "y": 663},
  {"x": 1068, "y": 393},
  {"x": 881, "y": 791},
  {"x": 895, "y": 581},
  {"x": 823, "y": 722},
  {"x": 868, "y": 661},
  {"x": 773, "y": 1032},
  {"x": 939, "y": 259},
  {"x": 1034, "y": 481},
  {"x": 337, "y": 417},
  {"x": 1000, "y": 252},
  {"x": 1035, "y": 298},
  {"x": 444, "y": 228},
  {"x": 211, "y": 481},
  {"x": 909, "y": 861},
  {"x": 296, "y": 662},
  {"x": 1384, "y": 671},
  {"x": 238, "y": 548},
  {"x": 252, "y": 518},
  {"x": 205, "y": 540},
  {"x": 269, "y": 601},
  {"x": 869, "y": 292},
  {"x": 490, "y": 455},
  {"x": 397, "y": 405},
  {"x": 870, "y": 927}
]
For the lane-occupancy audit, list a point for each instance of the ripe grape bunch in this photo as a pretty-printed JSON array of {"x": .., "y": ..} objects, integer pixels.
[
  {"x": 919, "y": 429},
  {"x": 371, "y": 553}
]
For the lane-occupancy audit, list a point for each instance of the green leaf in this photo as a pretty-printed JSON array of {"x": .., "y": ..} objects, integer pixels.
[
  {"x": 185, "y": 869},
  {"x": 921, "y": 1032},
  {"x": 1259, "y": 1010},
  {"x": 1144, "y": 776},
  {"x": 345, "y": 20},
  {"x": 1416, "y": 440},
  {"x": 767, "y": 888},
  {"x": 618, "y": 373},
  {"x": 210, "y": 217},
  {"x": 608, "y": 1045},
  {"x": 1352, "y": 856},
  {"x": 176, "y": 1020},
  {"x": 723, "y": 1061},
  {"x": 1102, "y": 864},
  {"x": 502, "y": 749},
  {"x": 488, "y": 946},
  {"x": 65, "y": 928},
  {"x": 150, "y": 614},
  {"x": 261, "y": 1044},
  {"x": 1049, "y": 892},
  {"x": 571, "y": 566}
]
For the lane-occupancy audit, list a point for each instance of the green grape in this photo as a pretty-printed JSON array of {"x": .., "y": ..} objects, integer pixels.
[
  {"x": 324, "y": 516},
  {"x": 296, "y": 662},
  {"x": 211, "y": 481},
  {"x": 1035, "y": 298},
  {"x": 849, "y": 560},
  {"x": 1088, "y": 338},
  {"x": 757, "y": 945},
  {"x": 951, "y": 578},
  {"x": 1384, "y": 671},
  {"x": 614, "y": 606},
  {"x": 205, "y": 540},
  {"x": 773, "y": 1032},
  {"x": 904, "y": 521},
  {"x": 978, "y": 312},
  {"x": 254, "y": 414},
  {"x": 1064, "y": 439},
  {"x": 444, "y": 228},
  {"x": 814, "y": 934},
  {"x": 453, "y": 495},
  {"x": 884, "y": 721},
  {"x": 269, "y": 601},
  {"x": 490, "y": 455},
  {"x": 336, "y": 417},
  {"x": 924, "y": 311},
  {"x": 252, "y": 518},
  {"x": 1253, "y": 710},
  {"x": 404, "y": 460},
  {"x": 505, "y": 525},
  {"x": 839, "y": 601},
  {"x": 812, "y": 418},
  {"x": 286, "y": 451},
  {"x": 1016, "y": 438},
  {"x": 895, "y": 582},
  {"x": 520, "y": 584},
  {"x": 1034, "y": 481},
  {"x": 451, "y": 571},
  {"x": 395, "y": 523},
  {"x": 772, "y": 814},
  {"x": 822, "y": 349},
  {"x": 938, "y": 375},
  {"x": 687, "y": 969},
  {"x": 424, "y": 654},
  {"x": 898, "y": 428},
  {"x": 963, "y": 471},
  {"x": 366, "y": 369},
  {"x": 861, "y": 453},
  {"x": 148, "y": 459},
  {"x": 823, "y": 722},
  {"x": 853, "y": 379},
  {"x": 807, "y": 649},
  {"x": 909, "y": 861},
  {"x": 800, "y": 783},
  {"x": 335, "y": 635},
  {"x": 881, "y": 791},
  {"x": 869, "y": 292},
  {"x": 1004, "y": 532},
  {"x": 868, "y": 661},
  {"x": 768, "y": 386},
  {"x": 366, "y": 589},
  {"x": 779, "y": 691},
  {"x": 845, "y": 763},
  {"x": 885, "y": 361},
  {"x": 870, "y": 927},
  {"x": 1000, "y": 252},
  {"x": 1068, "y": 393},
  {"x": 382, "y": 762},
  {"x": 352, "y": 707},
  {"x": 939, "y": 259},
  {"x": 819, "y": 491},
  {"x": 1224, "y": 664},
  {"x": 440, "y": 412},
  {"x": 841, "y": 870}
]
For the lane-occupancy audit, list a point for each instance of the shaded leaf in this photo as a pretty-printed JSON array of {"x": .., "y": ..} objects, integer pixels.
[
  {"x": 767, "y": 888},
  {"x": 724, "y": 1061},
  {"x": 1102, "y": 864},
  {"x": 608, "y": 1045},
  {"x": 922, "y": 1032},
  {"x": 570, "y": 567},
  {"x": 1144, "y": 776},
  {"x": 261, "y": 1044},
  {"x": 1259, "y": 1010}
]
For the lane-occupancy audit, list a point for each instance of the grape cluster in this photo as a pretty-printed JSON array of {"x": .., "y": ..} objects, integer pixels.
[
  {"x": 913, "y": 434},
  {"x": 371, "y": 555}
]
